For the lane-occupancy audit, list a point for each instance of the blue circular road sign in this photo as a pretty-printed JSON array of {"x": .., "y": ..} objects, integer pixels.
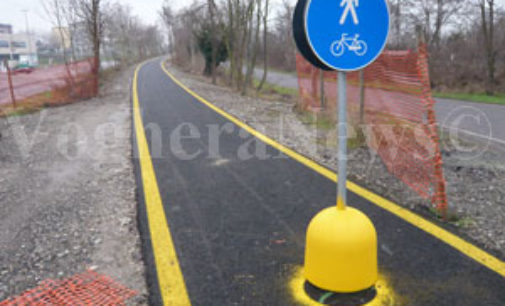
[{"x": 347, "y": 35}]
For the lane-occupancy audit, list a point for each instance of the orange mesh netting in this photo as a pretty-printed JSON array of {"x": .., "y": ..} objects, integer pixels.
[
  {"x": 88, "y": 288},
  {"x": 391, "y": 102},
  {"x": 48, "y": 86}
]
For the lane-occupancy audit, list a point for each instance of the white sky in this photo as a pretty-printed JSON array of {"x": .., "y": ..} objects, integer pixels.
[
  {"x": 11, "y": 12},
  {"x": 147, "y": 10}
]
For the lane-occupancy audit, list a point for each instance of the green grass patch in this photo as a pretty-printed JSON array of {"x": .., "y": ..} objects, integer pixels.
[
  {"x": 320, "y": 121},
  {"x": 465, "y": 222},
  {"x": 272, "y": 88},
  {"x": 21, "y": 111},
  {"x": 473, "y": 97}
]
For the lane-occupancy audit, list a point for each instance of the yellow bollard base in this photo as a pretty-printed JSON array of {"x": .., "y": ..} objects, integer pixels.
[
  {"x": 332, "y": 298},
  {"x": 341, "y": 251}
]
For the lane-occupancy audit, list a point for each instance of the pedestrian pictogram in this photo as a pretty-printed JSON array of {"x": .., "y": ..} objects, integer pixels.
[{"x": 350, "y": 7}]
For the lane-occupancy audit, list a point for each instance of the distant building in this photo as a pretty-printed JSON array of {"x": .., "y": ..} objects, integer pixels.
[
  {"x": 74, "y": 40},
  {"x": 17, "y": 48},
  {"x": 80, "y": 40},
  {"x": 5, "y": 28},
  {"x": 62, "y": 36}
]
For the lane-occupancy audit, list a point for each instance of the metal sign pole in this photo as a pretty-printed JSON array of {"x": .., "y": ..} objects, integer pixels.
[
  {"x": 341, "y": 247},
  {"x": 342, "y": 140}
]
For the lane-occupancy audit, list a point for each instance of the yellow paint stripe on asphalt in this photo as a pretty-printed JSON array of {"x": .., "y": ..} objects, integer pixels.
[
  {"x": 456, "y": 242},
  {"x": 170, "y": 279}
]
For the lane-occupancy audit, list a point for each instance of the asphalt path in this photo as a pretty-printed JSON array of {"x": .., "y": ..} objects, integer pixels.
[
  {"x": 238, "y": 220},
  {"x": 478, "y": 120}
]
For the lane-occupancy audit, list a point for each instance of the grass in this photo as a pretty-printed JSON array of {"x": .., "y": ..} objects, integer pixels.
[
  {"x": 20, "y": 111},
  {"x": 453, "y": 218},
  {"x": 320, "y": 121},
  {"x": 272, "y": 88},
  {"x": 473, "y": 97}
]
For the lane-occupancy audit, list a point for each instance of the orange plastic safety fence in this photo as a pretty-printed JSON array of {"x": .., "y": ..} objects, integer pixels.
[
  {"x": 391, "y": 102},
  {"x": 88, "y": 288},
  {"x": 48, "y": 86}
]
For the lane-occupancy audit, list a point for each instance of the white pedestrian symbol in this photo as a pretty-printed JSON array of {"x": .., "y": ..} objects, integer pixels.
[{"x": 350, "y": 7}]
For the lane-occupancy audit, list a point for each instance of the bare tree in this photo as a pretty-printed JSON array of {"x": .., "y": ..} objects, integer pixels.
[
  {"x": 238, "y": 30},
  {"x": 214, "y": 40},
  {"x": 455, "y": 32},
  {"x": 487, "y": 11},
  {"x": 56, "y": 12},
  {"x": 265, "y": 48},
  {"x": 278, "y": 44},
  {"x": 253, "y": 48},
  {"x": 90, "y": 12},
  {"x": 54, "y": 9},
  {"x": 399, "y": 22},
  {"x": 432, "y": 15},
  {"x": 126, "y": 38},
  {"x": 187, "y": 23},
  {"x": 168, "y": 17}
]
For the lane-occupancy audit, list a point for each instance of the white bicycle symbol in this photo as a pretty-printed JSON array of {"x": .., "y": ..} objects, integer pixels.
[{"x": 353, "y": 44}]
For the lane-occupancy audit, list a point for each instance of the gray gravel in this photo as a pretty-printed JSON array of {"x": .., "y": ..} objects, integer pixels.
[
  {"x": 67, "y": 194},
  {"x": 475, "y": 172}
]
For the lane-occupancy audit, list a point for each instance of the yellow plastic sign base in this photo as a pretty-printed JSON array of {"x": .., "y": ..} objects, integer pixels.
[{"x": 341, "y": 251}]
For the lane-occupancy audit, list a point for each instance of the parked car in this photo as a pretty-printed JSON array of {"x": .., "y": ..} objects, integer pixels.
[{"x": 23, "y": 68}]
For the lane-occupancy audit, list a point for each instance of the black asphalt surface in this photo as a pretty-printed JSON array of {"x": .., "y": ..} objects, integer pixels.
[{"x": 239, "y": 225}]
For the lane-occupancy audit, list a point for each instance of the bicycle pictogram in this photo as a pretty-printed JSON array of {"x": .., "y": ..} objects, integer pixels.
[{"x": 359, "y": 47}]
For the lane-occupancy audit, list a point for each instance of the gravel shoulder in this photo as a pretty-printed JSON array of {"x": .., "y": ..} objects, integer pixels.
[
  {"x": 67, "y": 193},
  {"x": 475, "y": 173}
]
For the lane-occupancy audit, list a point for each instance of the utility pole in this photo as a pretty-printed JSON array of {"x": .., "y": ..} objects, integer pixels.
[{"x": 29, "y": 38}]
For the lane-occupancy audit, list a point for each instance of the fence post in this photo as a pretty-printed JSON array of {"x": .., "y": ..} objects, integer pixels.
[
  {"x": 321, "y": 89},
  {"x": 314, "y": 87},
  {"x": 95, "y": 72},
  {"x": 361, "y": 96},
  {"x": 9, "y": 79},
  {"x": 439, "y": 197}
]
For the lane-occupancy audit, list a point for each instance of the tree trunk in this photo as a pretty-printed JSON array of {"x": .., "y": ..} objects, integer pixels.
[
  {"x": 488, "y": 33},
  {"x": 96, "y": 37},
  {"x": 214, "y": 41},
  {"x": 243, "y": 44},
  {"x": 265, "y": 49},
  {"x": 230, "y": 42},
  {"x": 253, "y": 50}
]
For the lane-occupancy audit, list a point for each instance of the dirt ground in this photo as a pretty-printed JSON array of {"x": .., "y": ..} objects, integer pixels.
[
  {"x": 67, "y": 193},
  {"x": 475, "y": 178}
]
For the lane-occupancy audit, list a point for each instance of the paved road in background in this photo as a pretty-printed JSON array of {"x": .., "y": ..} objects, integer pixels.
[
  {"x": 480, "y": 120},
  {"x": 238, "y": 219}
]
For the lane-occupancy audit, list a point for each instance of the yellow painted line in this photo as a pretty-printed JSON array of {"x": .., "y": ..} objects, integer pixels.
[
  {"x": 456, "y": 242},
  {"x": 170, "y": 279}
]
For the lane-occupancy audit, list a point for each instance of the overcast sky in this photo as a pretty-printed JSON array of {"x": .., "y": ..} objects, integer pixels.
[{"x": 11, "y": 12}]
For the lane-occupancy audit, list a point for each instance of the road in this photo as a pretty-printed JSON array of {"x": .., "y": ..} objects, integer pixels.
[
  {"x": 223, "y": 218},
  {"x": 483, "y": 121}
]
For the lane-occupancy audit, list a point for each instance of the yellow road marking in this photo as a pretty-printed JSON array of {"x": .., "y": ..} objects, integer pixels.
[
  {"x": 456, "y": 242},
  {"x": 171, "y": 282}
]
